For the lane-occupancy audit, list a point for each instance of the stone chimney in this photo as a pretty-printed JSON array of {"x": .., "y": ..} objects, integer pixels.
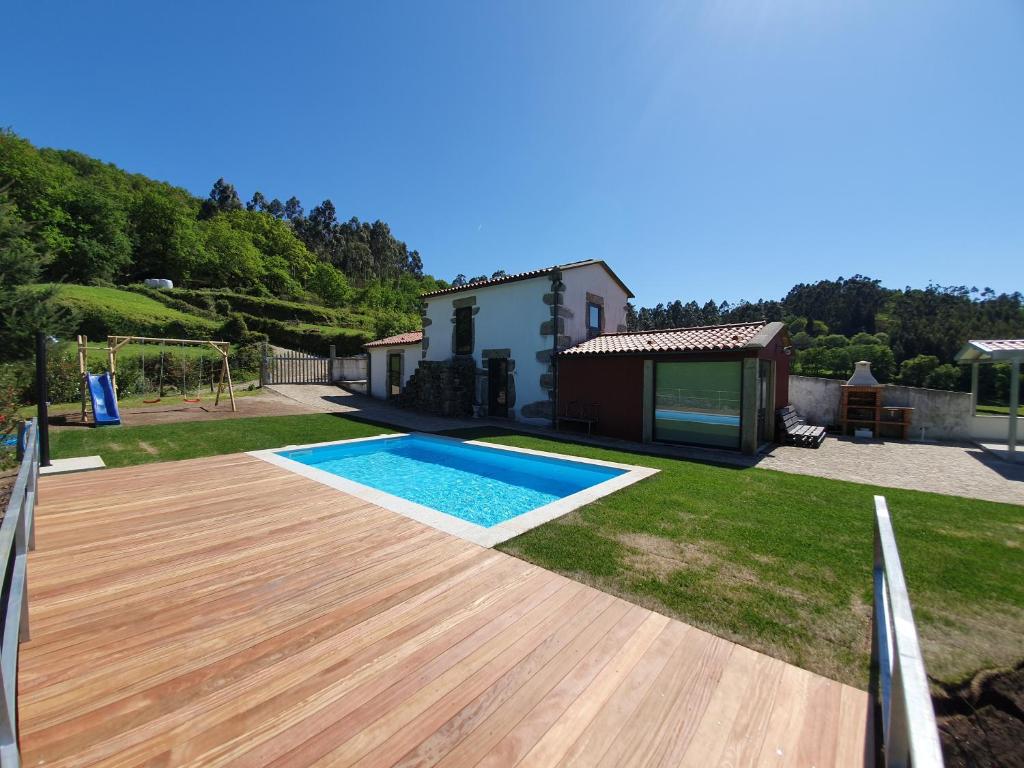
[{"x": 862, "y": 376}]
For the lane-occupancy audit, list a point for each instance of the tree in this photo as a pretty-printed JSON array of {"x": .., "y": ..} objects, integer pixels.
[
  {"x": 165, "y": 238},
  {"x": 223, "y": 199},
  {"x": 293, "y": 209},
  {"x": 24, "y": 310},
  {"x": 915, "y": 371},
  {"x": 257, "y": 203},
  {"x": 330, "y": 285}
]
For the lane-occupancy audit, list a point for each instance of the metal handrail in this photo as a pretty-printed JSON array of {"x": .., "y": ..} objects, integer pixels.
[
  {"x": 17, "y": 539},
  {"x": 909, "y": 735}
]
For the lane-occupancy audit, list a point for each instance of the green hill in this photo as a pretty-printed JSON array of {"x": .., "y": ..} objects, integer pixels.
[
  {"x": 102, "y": 311},
  {"x": 304, "y": 280}
]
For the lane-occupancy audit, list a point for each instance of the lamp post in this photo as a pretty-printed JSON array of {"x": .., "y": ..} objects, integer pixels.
[{"x": 42, "y": 397}]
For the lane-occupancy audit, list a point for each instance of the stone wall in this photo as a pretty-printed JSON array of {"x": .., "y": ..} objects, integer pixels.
[
  {"x": 442, "y": 387},
  {"x": 943, "y": 415}
]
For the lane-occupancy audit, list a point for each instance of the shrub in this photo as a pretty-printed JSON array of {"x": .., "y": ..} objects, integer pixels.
[
  {"x": 234, "y": 328},
  {"x": 945, "y": 376},
  {"x": 312, "y": 339},
  {"x": 274, "y": 309},
  {"x": 915, "y": 371}
]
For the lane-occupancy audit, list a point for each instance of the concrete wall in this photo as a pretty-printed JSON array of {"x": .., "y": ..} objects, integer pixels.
[
  {"x": 379, "y": 367},
  {"x": 944, "y": 415},
  {"x": 350, "y": 368},
  {"x": 995, "y": 428}
]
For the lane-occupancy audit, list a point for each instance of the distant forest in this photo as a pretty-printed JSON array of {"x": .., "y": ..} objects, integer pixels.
[{"x": 910, "y": 335}]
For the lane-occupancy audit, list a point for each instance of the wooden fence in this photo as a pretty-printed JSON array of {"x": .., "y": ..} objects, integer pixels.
[
  {"x": 17, "y": 538},
  {"x": 296, "y": 368},
  {"x": 908, "y": 733}
]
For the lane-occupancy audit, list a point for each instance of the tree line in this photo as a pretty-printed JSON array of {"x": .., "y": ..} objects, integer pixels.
[
  {"x": 98, "y": 223},
  {"x": 910, "y": 335}
]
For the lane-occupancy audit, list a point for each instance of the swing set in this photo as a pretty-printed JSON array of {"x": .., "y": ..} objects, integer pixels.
[{"x": 116, "y": 343}]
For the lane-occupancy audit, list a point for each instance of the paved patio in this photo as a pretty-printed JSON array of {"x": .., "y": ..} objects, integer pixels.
[
  {"x": 957, "y": 469},
  {"x": 224, "y": 611}
]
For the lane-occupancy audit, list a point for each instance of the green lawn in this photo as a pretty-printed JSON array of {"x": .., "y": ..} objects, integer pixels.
[
  {"x": 782, "y": 563},
  {"x": 125, "y": 446},
  {"x": 777, "y": 562},
  {"x": 999, "y": 410}
]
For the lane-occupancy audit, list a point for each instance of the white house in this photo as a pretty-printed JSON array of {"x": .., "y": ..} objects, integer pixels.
[
  {"x": 392, "y": 362},
  {"x": 509, "y": 328}
]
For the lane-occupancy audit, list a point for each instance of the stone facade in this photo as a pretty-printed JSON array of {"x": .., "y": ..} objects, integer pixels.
[{"x": 442, "y": 387}]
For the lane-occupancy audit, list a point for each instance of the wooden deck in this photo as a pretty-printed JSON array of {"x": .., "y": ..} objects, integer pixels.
[{"x": 225, "y": 611}]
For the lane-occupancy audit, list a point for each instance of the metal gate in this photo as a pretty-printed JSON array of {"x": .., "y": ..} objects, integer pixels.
[{"x": 295, "y": 368}]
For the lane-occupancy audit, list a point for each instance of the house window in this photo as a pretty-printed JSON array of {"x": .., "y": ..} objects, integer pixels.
[
  {"x": 464, "y": 331},
  {"x": 595, "y": 319}
]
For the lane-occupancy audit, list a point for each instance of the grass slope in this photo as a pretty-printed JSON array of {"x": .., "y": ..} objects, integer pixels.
[
  {"x": 777, "y": 562},
  {"x": 105, "y": 311}
]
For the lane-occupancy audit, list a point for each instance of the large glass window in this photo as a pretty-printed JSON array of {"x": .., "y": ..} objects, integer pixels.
[{"x": 698, "y": 403}]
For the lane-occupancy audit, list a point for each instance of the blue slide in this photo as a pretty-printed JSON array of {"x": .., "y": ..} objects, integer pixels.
[{"x": 104, "y": 401}]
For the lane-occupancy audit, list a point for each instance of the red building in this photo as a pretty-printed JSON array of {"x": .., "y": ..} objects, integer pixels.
[{"x": 716, "y": 386}]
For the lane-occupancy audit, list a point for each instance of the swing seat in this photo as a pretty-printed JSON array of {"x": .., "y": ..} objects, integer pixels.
[
  {"x": 191, "y": 400},
  {"x": 150, "y": 402}
]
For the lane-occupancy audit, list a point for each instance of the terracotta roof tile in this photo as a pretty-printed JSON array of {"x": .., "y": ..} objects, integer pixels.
[
  {"x": 526, "y": 276},
  {"x": 708, "y": 338},
  {"x": 414, "y": 337}
]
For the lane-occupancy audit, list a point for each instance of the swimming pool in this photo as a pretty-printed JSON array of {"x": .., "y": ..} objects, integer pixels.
[
  {"x": 482, "y": 492},
  {"x": 697, "y": 417}
]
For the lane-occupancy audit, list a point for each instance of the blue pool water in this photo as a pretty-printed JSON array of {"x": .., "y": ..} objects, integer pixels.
[
  {"x": 698, "y": 418},
  {"x": 482, "y": 485}
]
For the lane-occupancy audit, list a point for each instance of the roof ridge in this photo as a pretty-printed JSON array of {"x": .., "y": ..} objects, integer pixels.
[{"x": 689, "y": 328}]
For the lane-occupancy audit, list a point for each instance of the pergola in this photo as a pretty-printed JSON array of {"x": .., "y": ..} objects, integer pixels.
[{"x": 1009, "y": 351}]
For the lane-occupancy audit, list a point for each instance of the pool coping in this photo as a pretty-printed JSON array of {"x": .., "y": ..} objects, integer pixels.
[{"x": 478, "y": 534}]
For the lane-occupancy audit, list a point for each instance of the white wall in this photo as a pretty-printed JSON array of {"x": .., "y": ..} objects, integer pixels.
[
  {"x": 510, "y": 316},
  {"x": 379, "y": 366},
  {"x": 995, "y": 428},
  {"x": 351, "y": 368},
  {"x": 592, "y": 278},
  {"x": 944, "y": 415}
]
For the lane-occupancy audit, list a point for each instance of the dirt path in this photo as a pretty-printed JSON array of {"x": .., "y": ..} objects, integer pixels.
[{"x": 173, "y": 410}]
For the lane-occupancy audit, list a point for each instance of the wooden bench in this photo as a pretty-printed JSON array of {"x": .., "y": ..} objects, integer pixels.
[
  {"x": 795, "y": 431},
  {"x": 579, "y": 414}
]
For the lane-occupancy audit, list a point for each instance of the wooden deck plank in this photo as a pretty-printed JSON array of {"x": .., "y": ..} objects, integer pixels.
[{"x": 222, "y": 611}]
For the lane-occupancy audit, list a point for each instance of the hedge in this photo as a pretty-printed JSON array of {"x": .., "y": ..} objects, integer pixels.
[
  {"x": 273, "y": 309},
  {"x": 309, "y": 338}
]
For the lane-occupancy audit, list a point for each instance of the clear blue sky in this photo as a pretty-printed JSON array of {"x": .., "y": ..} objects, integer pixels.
[{"x": 705, "y": 149}]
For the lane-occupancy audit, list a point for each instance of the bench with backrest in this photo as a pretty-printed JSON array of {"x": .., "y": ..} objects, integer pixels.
[
  {"x": 577, "y": 413},
  {"x": 795, "y": 431}
]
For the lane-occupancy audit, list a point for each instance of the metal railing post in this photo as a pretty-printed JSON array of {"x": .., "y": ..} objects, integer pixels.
[{"x": 908, "y": 733}]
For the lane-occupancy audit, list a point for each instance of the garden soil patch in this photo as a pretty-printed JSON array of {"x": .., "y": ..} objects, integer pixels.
[{"x": 981, "y": 721}]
